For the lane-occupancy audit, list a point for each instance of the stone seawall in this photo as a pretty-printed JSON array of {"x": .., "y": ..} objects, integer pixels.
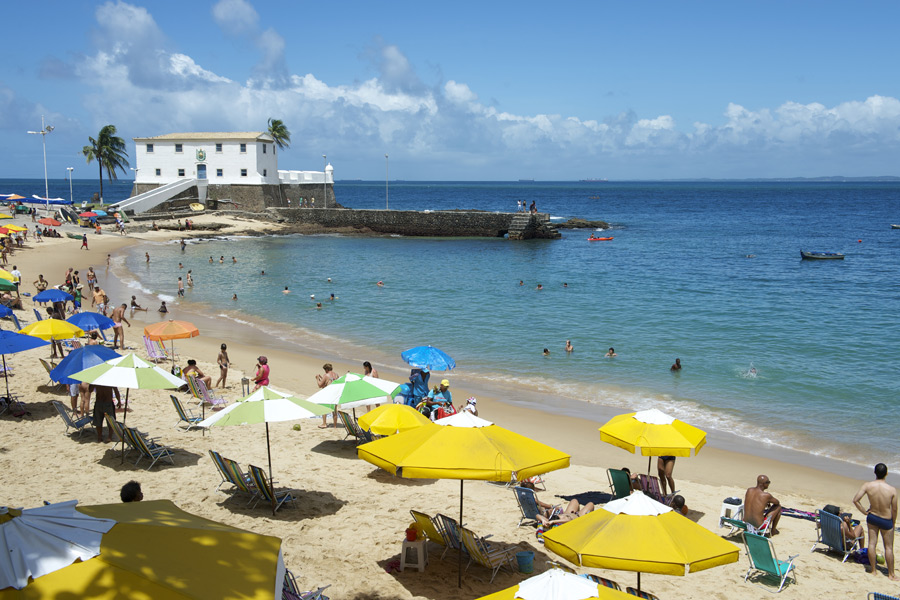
[
  {"x": 416, "y": 223},
  {"x": 249, "y": 198}
]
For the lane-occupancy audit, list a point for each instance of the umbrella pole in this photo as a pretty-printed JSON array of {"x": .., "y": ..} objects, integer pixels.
[
  {"x": 649, "y": 462},
  {"x": 639, "y": 581},
  {"x": 460, "y": 553},
  {"x": 8, "y": 397},
  {"x": 173, "y": 354},
  {"x": 271, "y": 481},
  {"x": 124, "y": 418}
]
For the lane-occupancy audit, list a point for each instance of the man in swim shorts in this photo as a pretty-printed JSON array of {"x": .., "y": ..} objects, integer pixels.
[
  {"x": 761, "y": 506},
  {"x": 118, "y": 316},
  {"x": 880, "y": 517}
]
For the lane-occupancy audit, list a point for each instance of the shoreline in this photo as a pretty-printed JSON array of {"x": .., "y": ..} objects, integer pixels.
[{"x": 574, "y": 413}]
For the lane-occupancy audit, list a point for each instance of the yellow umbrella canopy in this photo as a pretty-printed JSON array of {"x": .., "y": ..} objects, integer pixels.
[
  {"x": 637, "y": 533},
  {"x": 389, "y": 419},
  {"x": 556, "y": 584},
  {"x": 156, "y": 550},
  {"x": 16, "y": 228},
  {"x": 654, "y": 432},
  {"x": 4, "y": 274},
  {"x": 52, "y": 329}
]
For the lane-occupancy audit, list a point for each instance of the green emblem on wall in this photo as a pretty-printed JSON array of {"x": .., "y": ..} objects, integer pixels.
[{"x": 201, "y": 155}]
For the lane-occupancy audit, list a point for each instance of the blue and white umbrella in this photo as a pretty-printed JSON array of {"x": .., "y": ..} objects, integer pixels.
[{"x": 428, "y": 357}]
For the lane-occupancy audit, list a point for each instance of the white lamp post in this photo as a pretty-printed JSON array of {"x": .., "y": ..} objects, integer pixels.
[
  {"x": 324, "y": 181},
  {"x": 70, "y": 169},
  {"x": 386, "y": 170},
  {"x": 45, "y": 129}
]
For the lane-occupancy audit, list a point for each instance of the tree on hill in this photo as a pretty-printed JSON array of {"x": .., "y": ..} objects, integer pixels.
[
  {"x": 109, "y": 152},
  {"x": 279, "y": 132}
]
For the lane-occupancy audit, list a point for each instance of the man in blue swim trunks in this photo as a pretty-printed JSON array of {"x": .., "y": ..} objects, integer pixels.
[{"x": 880, "y": 517}]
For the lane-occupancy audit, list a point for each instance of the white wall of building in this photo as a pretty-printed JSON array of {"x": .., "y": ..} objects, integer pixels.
[{"x": 157, "y": 161}]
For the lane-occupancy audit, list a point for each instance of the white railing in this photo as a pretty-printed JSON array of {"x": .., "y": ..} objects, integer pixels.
[
  {"x": 147, "y": 200},
  {"x": 296, "y": 177}
]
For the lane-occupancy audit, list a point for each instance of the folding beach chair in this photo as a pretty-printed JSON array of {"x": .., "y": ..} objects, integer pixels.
[
  {"x": 527, "y": 500},
  {"x": 202, "y": 393},
  {"x": 71, "y": 422},
  {"x": 117, "y": 430},
  {"x": 239, "y": 479},
  {"x": 146, "y": 449},
  {"x": 48, "y": 367},
  {"x": 450, "y": 529},
  {"x": 291, "y": 591},
  {"x": 641, "y": 594},
  {"x": 153, "y": 350},
  {"x": 266, "y": 492},
  {"x": 353, "y": 428},
  {"x": 493, "y": 557},
  {"x": 880, "y": 596},
  {"x": 604, "y": 582},
  {"x": 431, "y": 527},
  {"x": 828, "y": 533},
  {"x": 37, "y": 314},
  {"x": 186, "y": 417},
  {"x": 619, "y": 483},
  {"x": 762, "y": 558},
  {"x": 650, "y": 486}
]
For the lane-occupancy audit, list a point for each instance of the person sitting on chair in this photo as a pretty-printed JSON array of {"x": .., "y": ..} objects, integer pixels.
[
  {"x": 438, "y": 398},
  {"x": 192, "y": 368},
  {"x": 760, "y": 506}
]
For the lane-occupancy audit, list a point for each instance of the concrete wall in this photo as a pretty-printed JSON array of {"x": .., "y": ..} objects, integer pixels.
[
  {"x": 412, "y": 223},
  {"x": 249, "y": 198}
]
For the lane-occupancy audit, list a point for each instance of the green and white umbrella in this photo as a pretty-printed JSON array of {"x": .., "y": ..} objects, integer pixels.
[
  {"x": 265, "y": 405},
  {"x": 129, "y": 372},
  {"x": 354, "y": 390}
]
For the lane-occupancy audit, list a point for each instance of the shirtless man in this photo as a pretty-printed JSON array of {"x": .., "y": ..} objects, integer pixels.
[
  {"x": 118, "y": 315},
  {"x": 881, "y": 516},
  {"x": 760, "y": 505},
  {"x": 97, "y": 297}
]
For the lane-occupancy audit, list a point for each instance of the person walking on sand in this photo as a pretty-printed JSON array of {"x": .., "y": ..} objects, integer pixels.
[
  {"x": 760, "y": 506},
  {"x": 84, "y": 244},
  {"x": 323, "y": 381},
  {"x": 223, "y": 361},
  {"x": 118, "y": 315},
  {"x": 880, "y": 517}
]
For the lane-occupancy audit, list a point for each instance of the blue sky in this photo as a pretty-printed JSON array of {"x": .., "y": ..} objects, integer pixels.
[{"x": 468, "y": 90}]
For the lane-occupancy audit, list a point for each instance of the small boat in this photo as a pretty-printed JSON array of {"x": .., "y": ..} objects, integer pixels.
[
  {"x": 821, "y": 255},
  {"x": 197, "y": 207},
  {"x": 596, "y": 239},
  {"x": 895, "y": 226}
]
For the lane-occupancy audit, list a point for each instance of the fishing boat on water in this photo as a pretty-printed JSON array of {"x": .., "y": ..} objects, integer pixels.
[
  {"x": 821, "y": 255},
  {"x": 895, "y": 226},
  {"x": 599, "y": 239}
]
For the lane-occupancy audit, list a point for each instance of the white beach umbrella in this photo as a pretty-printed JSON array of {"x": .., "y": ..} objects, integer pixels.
[
  {"x": 38, "y": 541},
  {"x": 354, "y": 390}
]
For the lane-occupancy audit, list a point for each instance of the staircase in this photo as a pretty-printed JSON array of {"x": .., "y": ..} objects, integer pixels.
[
  {"x": 525, "y": 226},
  {"x": 147, "y": 200}
]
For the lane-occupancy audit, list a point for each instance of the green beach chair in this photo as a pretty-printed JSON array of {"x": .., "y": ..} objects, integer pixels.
[
  {"x": 762, "y": 558},
  {"x": 619, "y": 483}
]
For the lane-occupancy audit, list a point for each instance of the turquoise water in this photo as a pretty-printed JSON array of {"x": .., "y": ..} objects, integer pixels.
[{"x": 675, "y": 282}]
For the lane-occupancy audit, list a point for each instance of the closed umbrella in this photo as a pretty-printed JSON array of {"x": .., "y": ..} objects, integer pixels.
[
  {"x": 391, "y": 419},
  {"x": 428, "y": 357},
  {"x": 265, "y": 405},
  {"x": 11, "y": 343},
  {"x": 156, "y": 550},
  {"x": 654, "y": 433},
  {"x": 637, "y": 533},
  {"x": 556, "y": 584},
  {"x": 171, "y": 330},
  {"x": 466, "y": 448},
  {"x": 129, "y": 372}
]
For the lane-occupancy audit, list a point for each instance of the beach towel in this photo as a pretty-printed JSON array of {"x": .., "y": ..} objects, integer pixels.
[{"x": 585, "y": 497}]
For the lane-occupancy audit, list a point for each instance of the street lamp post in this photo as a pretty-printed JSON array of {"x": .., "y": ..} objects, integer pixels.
[
  {"x": 324, "y": 181},
  {"x": 386, "y": 171},
  {"x": 45, "y": 129},
  {"x": 70, "y": 169}
]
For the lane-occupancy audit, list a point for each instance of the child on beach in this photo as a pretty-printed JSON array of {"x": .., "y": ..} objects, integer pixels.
[{"x": 223, "y": 362}]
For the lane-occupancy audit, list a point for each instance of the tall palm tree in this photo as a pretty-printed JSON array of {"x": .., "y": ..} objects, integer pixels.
[
  {"x": 279, "y": 133},
  {"x": 109, "y": 152}
]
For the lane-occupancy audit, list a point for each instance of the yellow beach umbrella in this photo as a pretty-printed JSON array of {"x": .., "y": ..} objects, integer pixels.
[
  {"x": 156, "y": 550},
  {"x": 15, "y": 228},
  {"x": 392, "y": 418},
  {"x": 556, "y": 584},
  {"x": 637, "y": 533},
  {"x": 5, "y": 216},
  {"x": 654, "y": 432},
  {"x": 52, "y": 329},
  {"x": 462, "y": 447},
  {"x": 4, "y": 274}
]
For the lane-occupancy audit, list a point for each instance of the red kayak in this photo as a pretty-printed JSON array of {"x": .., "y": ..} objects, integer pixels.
[{"x": 593, "y": 239}]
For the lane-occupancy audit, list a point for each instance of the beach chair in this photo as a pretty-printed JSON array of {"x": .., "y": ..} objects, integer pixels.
[
  {"x": 186, "y": 417},
  {"x": 737, "y": 524},
  {"x": 116, "y": 428},
  {"x": 650, "y": 486},
  {"x": 239, "y": 479},
  {"x": 147, "y": 449},
  {"x": 265, "y": 492},
  {"x": 880, "y": 596},
  {"x": 431, "y": 527},
  {"x": 49, "y": 367},
  {"x": 353, "y": 428},
  {"x": 491, "y": 557},
  {"x": 604, "y": 581},
  {"x": 37, "y": 314},
  {"x": 828, "y": 533},
  {"x": 450, "y": 529},
  {"x": 153, "y": 350},
  {"x": 70, "y": 421},
  {"x": 15, "y": 320},
  {"x": 762, "y": 558},
  {"x": 619, "y": 483},
  {"x": 641, "y": 594},
  {"x": 527, "y": 500},
  {"x": 201, "y": 392},
  {"x": 291, "y": 591}
]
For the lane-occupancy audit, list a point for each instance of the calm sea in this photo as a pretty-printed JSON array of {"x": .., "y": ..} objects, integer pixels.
[{"x": 801, "y": 354}]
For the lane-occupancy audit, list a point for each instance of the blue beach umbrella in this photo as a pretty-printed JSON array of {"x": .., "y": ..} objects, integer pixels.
[
  {"x": 90, "y": 321},
  {"x": 428, "y": 357},
  {"x": 100, "y": 213},
  {"x": 12, "y": 342},
  {"x": 52, "y": 296},
  {"x": 81, "y": 359}
]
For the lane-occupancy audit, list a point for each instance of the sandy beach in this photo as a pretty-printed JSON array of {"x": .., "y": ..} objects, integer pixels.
[{"x": 349, "y": 518}]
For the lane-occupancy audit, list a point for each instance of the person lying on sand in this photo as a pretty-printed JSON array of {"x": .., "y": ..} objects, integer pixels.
[{"x": 572, "y": 511}]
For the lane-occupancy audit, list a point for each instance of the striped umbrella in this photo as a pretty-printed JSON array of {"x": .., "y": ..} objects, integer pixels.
[
  {"x": 129, "y": 372},
  {"x": 265, "y": 405},
  {"x": 354, "y": 390}
]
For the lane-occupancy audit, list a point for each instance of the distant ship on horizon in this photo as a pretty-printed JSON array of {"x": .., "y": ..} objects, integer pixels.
[
  {"x": 526, "y": 181},
  {"x": 603, "y": 180}
]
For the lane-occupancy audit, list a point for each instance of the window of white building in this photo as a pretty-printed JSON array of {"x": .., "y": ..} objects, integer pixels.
[
  {"x": 243, "y": 148},
  {"x": 264, "y": 148},
  {"x": 159, "y": 172},
  {"x": 178, "y": 148},
  {"x": 181, "y": 172},
  {"x": 265, "y": 172},
  {"x": 243, "y": 171},
  {"x": 149, "y": 148},
  {"x": 218, "y": 172},
  {"x": 218, "y": 148}
]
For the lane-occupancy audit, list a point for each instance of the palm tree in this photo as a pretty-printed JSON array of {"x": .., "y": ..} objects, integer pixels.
[
  {"x": 279, "y": 133},
  {"x": 109, "y": 152}
]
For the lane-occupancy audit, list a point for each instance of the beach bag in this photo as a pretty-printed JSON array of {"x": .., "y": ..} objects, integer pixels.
[
  {"x": 444, "y": 412},
  {"x": 176, "y": 371}
]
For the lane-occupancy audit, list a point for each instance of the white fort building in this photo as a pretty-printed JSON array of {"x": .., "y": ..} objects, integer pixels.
[{"x": 222, "y": 169}]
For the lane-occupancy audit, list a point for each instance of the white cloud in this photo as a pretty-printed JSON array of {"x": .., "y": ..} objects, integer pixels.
[{"x": 237, "y": 17}]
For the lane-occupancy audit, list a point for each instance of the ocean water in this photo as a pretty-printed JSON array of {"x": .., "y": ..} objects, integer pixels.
[{"x": 821, "y": 336}]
